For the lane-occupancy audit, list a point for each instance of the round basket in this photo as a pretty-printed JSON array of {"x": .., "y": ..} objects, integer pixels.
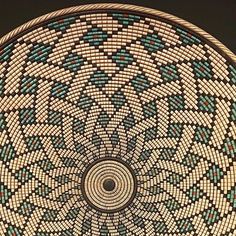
[{"x": 116, "y": 120}]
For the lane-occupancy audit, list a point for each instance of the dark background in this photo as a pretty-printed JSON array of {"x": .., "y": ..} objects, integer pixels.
[{"x": 217, "y": 17}]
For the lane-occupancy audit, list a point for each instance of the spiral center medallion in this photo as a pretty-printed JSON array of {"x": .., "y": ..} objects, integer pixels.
[{"x": 109, "y": 185}]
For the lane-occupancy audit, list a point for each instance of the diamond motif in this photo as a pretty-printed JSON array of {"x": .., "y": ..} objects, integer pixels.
[
  {"x": 43, "y": 190},
  {"x": 232, "y": 74},
  {"x": 207, "y": 103},
  {"x": 211, "y": 216},
  {"x": 58, "y": 142},
  {"x": 169, "y": 73},
  {"x": 167, "y": 153},
  {"x": 68, "y": 162},
  {"x": 122, "y": 229},
  {"x": 95, "y": 36},
  {"x": 230, "y": 146},
  {"x": 151, "y": 207},
  {"x": 185, "y": 225},
  {"x": 140, "y": 83},
  {"x": 61, "y": 24},
  {"x": 191, "y": 160},
  {"x": 215, "y": 174},
  {"x": 139, "y": 221},
  {"x": 176, "y": 102},
  {"x": 150, "y": 133},
  {"x": 202, "y": 134},
  {"x": 40, "y": 52},
  {"x": 122, "y": 58},
  {"x": 172, "y": 204},
  {"x": 28, "y": 85},
  {"x": 96, "y": 140},
  {"x": 175, "y": 130},
  {"x": 33, "y": 143},
  {"x": 149, "y": 109},
  {"x": 59, "y": 90},
  {"x": 231, "y": 196},
  {"x": 86, "y": 226},
  {"x": 26, "y": 208},
  {"x": 129, "y": 121},
  {"x": 104, "y": 230},
  {"x": 103, "y": 119},
  {"x": 99, "y": 79},
  {"x": 64, "y": 197},
  {"x": 80, "y": 148},
  {"x": 125, "y": 18},
  {"x": 131, "y": 143},
  {"x": 202, "y": 69},
  {"x": 73, "y": 62},
  {"x": 187, "y": 37},
  {"x": 46, "y": 164},
  {"x": 115, "y": 138},
  {"x": 2, "y": 122},
  {"x": 194, "y": 193},
  {"x": 154, "y": 190},
  {"x": 160, "y": 227},
  {"x": 27, "y": 116},
  {"x": 118, "y": 99},
  {"x": 72, "y": 214},
  {"x": 85, "y": 102},
  {"x": 5, "y": 193},
  {"x": 63, "y": 179},
  {"x": 152, "y": 42},
  {"x": 78, "y": 126},
  {"x": 50, "y": 215},
  {"x": 23, "y": 175},
  {"x": 6, "y": 52},
  {"x": 54, "y": 117},
  {"x": 175, "y": 178},
  {"x": 152, "y": 172},
  {"x": 7, "y": 152},
  {"x": 145, "y": 154}
]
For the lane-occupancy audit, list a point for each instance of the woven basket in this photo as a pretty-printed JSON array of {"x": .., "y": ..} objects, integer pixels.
[{"x": 116, "y": 120}]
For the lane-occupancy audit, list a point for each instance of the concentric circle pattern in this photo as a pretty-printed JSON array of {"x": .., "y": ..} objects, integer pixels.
[
  {"x": 108, "y": 172},
  {"x": 122, "y": 94}
]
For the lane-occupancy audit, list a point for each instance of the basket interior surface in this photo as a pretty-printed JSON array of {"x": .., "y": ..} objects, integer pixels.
[{"x": 115, "y": 121}]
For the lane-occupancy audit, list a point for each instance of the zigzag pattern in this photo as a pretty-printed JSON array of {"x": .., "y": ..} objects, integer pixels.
[{"x": 115, "y": 84}]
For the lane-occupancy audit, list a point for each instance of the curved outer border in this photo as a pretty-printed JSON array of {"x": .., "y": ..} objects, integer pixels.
[{"x": 117, "y": 6}]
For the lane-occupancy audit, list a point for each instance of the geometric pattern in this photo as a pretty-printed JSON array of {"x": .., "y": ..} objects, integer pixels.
[{"x": 125, "y": 86}]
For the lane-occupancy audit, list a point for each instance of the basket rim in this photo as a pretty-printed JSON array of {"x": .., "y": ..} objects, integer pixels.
[{"x": 117, "y": 6}]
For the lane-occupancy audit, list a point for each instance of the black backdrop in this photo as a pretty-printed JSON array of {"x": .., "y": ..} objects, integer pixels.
[{"x": 217, "y": 17}]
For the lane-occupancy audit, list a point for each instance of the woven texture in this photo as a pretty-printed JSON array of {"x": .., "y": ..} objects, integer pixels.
[{"x": 116, "y": 95}]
